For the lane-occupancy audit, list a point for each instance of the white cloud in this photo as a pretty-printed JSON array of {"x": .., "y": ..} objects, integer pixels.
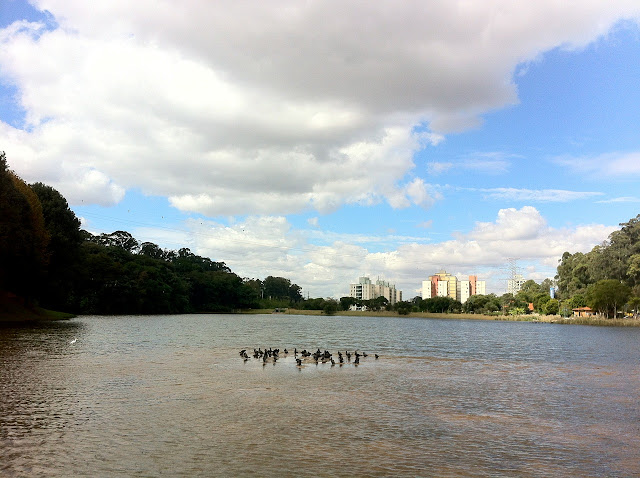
[
  {"x": 512, "y": 224},
  {"x": 537, "y": 195},
  {"x": 272, "y": 107},
  {"x": 487, "y": 163},
  {"x": 624, "y": 199},
  {"x": 610, "y": 165},
  {"x": 261, "y": 246},
  {"x": 436, "y": 167}
]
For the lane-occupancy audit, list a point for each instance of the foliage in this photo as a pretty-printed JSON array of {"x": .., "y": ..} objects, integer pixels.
[
  {"x": 404, "y": 307},
  {"x": 376, "y": 304},
  {"x": 485, "y": 304},
  {"x": 607, "y": 296},
  {"x": 517, "y": 311},
  {"x": 347, "y": 302},
  {"x": 440, "y": 305},
  {"x": 281, "y": 288},
  {"x": 551, "y": 307},
  {"x": 23, "y": 236},
  {"x": 617, "y": 258},
  {"x": 63, "y": 250},
  {"x": 330, "y": 307}
]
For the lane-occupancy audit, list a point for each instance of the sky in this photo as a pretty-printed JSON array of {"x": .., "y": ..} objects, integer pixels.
[{"x": 324, "y": 141}]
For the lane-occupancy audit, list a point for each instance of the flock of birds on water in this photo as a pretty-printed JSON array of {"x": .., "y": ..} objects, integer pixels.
[{"x": 272, "y": 355}]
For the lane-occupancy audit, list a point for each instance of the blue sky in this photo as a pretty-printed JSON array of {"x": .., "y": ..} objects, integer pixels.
[{"x": 300, "y": 140}]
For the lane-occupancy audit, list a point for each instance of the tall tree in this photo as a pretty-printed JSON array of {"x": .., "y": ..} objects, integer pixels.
[
  {"x": 607, "y": 296},
  {"x": 66, "y": 237},
  {"x": 23, "y": 237},
  {"x": 277, "y": 287}
]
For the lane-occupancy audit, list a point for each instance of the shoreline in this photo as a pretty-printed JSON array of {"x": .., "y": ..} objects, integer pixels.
[
  {"x": 14, "y": 311},
  {"x": 534, "y": 318}
]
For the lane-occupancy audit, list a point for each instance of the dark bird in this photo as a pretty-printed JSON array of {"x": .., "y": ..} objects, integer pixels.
[{"x": 377, "y": 356}]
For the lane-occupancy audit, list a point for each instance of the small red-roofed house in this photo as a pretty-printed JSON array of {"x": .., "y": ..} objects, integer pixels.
[{"x": 583, "y": 312}]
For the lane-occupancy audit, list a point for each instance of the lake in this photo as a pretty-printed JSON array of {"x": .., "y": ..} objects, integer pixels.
[{"x": 171, "y": 396}]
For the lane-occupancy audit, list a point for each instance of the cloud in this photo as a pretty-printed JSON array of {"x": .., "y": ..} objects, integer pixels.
[
  {"x": 434, "y": 168},
  {"x": 313, "y": 221},
  {"x": 487, "y": 163},
  {"x": 271, "y": 108},
  {"x": 624, "y": 199},
  {"x": 537, "y": 195},
  {"x": 610, "y": 165},
  {"x": 325, "y": 263}
]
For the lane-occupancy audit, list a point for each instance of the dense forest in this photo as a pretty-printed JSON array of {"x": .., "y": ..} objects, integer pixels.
[{"x": 47, "y": 259}]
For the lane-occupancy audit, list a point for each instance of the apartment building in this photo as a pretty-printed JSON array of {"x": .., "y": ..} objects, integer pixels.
[
  {"x": 515, "y": 284},
  {"x": 443, "y": 284},
  {"x": 365, "y": 289}
]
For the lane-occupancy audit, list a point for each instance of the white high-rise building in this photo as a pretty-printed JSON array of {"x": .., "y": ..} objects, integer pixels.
[
  {"x": 515, "y": 284},
  {"x": 366, "y": 290},
  {"x": 464, "y": 290}
]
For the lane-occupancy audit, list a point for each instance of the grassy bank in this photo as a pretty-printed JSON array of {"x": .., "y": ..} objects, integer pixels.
[{"x": 13, "y": 309}]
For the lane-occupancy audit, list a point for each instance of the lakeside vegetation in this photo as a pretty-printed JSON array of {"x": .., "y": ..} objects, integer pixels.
[
  {"x": 548, "y": 319},
  {"x": 49, "y": 263},
  {"x": 12, "y": 309}
]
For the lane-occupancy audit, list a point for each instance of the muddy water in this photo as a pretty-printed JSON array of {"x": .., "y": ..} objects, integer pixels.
[{"x": 170, "y": 396}]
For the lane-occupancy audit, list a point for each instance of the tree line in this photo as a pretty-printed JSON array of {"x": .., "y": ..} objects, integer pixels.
[
  {"x": 607, "y": 278},
  {"x": 47, "y": 259}
]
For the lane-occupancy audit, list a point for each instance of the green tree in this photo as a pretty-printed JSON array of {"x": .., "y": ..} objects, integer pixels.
[
  {"x": 330, "y": 307},
  {"x": 152, "y": 250},
  {"x": 282, "y": 288},
  {"x": 403, "y": 308},
  {"x": 120, "y": 239},
  {"x": 551, "y": 307},
  {"x": 634, "y": 303},
  {"x": 578, "y": 300},
  {"x": 608, "y": 295},
  {"x": 346, "y": 302},
  {"x": 66, "y": 237},
  {"x": 573, "y": 274},
  {"x": 276, "y": 287},
  {"x": 441, "y": 305},
  {"x": 23, "y": 236}
]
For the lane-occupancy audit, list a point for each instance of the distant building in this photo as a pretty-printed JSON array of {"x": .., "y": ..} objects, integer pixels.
[
  {"x": 515, "y": 284},
  {"x": 364, "y": 289},
  {"x": 583, "y": 312},
  {"x": 444, "y": 284}
]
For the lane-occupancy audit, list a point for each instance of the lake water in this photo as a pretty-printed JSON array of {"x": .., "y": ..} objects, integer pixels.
[{"x": 171, "y": 396}]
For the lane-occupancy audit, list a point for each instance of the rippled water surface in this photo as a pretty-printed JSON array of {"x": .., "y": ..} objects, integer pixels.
[{"x": 170, "y": 396}]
